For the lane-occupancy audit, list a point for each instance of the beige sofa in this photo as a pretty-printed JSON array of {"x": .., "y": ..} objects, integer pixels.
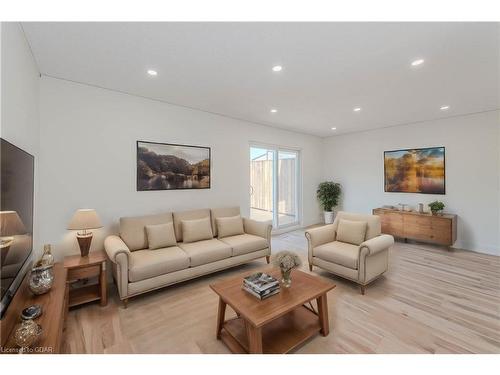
[
  {"x": 137, "y": 269},
  {"x": 362, "y": 260}
]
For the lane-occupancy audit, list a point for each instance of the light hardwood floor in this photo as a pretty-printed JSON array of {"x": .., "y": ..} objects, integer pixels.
[{"x": 430, "y": 301}]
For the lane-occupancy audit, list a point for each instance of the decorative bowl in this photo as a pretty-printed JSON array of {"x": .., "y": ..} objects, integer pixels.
[
  {"x": 41, "y": 279},
  {"x": 27, "y": 333}
]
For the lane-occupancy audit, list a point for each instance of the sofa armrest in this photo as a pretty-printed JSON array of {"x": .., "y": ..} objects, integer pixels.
[
  {"x": 321, "y": 235},
  {"x": 114, "y": 246},
  {"x": 377, "y": 244},
  {"x": 258, "y": 228},
  {"x": 118, "y": 252}
]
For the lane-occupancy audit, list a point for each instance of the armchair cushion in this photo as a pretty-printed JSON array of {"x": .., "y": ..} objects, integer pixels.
[
  {"x": 377, "y": 244},
  {"x": 341, "y": 253},
  {"x": 352, "y": 232}
]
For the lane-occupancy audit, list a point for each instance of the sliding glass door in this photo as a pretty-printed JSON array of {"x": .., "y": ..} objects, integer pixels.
[{"x": 274, "y": 177}]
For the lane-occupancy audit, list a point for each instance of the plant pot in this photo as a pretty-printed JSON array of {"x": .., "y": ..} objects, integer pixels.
[{"x": 328, "y": 217}]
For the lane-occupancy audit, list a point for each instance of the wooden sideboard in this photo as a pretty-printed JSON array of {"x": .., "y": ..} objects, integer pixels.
[
  {"x": 54, "y": 308},
  {"x": 438, "y": 229}
]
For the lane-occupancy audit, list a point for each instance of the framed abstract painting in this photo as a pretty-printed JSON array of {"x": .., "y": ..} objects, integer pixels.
[
  {"x": 165, "y": 166},
  {"x": 417, "y": 170}
]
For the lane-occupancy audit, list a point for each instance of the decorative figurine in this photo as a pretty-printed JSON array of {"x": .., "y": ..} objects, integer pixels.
[{"x": 31, "y": 312}]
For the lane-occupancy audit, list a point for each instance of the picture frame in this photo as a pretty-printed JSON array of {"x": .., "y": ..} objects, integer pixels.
[
  {"x": 172, "y": 166},
  {"x": 415, "y": 170}
]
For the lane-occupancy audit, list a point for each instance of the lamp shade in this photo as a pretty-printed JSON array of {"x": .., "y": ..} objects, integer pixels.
[
  {"x": 11, "y": 224},
  {"x": 84, "y": 219}
]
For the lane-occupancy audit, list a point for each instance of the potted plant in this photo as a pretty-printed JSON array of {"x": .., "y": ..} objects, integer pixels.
[
  {"x": 328, "y": 194},
  {"x": 436, "y": 207}
]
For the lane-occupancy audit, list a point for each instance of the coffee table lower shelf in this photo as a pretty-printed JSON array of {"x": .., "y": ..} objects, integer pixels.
[{"x": 280, "y": 336}]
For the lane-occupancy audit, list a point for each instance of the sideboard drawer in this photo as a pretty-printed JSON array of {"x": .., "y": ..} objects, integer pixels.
[
  {"x": 392, "y": 223},
  {"x": 417, "y": 227}
]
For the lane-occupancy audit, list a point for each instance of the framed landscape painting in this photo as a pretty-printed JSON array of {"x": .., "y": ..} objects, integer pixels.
[
  {"x": 165, "y": 166},
  {"x": 418, "y": 170}
]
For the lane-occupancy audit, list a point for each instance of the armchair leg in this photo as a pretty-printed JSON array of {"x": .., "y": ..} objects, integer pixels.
[
  {"x": 310, "y": 267},
  {"x": 125, "y": 303},
  {"x": 268, "y": 259},
  {"x": 362, "y": 288}
]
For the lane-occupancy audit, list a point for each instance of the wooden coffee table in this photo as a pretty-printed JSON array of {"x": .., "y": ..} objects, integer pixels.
[{"x": 275, "y": 325}]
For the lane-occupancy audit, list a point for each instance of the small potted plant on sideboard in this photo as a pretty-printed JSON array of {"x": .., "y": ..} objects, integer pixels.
[
  {"x": 328, "y": 194},
  {"x": 436, "y": 207}
]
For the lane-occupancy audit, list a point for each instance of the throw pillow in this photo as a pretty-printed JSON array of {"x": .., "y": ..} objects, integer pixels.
[
  {"x": 161, "y": 235},
  {"x": 196, "y": 230},
  {"x": 352, "y": 232},
  {"x": 229, "y": 226}
]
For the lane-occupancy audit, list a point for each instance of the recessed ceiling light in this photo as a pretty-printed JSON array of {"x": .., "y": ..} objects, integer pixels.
[
  {"x": 277, "y": 68},
  {"x": 334, "y": 128},
  {"x": 444, "y": 107},
  {"x": 357, "y": 109},
  {"x": 417, "y": 62},
  {"x": 274, "y": 110},
  {"x": 152, "y": 72}
]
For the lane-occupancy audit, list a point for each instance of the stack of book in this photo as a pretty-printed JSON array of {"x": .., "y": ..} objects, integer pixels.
[{"x": 261, "y": 285}]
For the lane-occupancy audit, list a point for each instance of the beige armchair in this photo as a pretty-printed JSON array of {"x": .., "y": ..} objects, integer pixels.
[{"x": 352, "y": 247}]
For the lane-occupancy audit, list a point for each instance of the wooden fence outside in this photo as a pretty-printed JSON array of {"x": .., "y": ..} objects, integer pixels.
[{"x": 261, "y": 176}]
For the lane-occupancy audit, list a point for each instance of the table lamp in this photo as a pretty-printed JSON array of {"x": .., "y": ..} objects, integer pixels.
[
  {"x": 84, "y": 219},
  {"x": 10, "y": 226}
]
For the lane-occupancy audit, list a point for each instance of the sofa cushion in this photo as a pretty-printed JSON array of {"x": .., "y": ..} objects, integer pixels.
[
  {"x": 196, "y": 230},
  {"x": 187, "y": 215},
  {"x": 145, "y": 264},
  {"x": 352, "y": 232},
  {"x": 133, "y": 229},
  {"x": 208, "y": 251},
  {"x": 222, "y": 212},
  {"x": 245, "y": 243},
  {"x": 229, "y": 226},
  {"x": 342, "y": 253},
  {"x": 161, "y": 235}
]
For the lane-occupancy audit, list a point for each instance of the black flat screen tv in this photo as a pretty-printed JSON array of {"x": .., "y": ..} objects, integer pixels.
[{"x": 16, "y": 218}]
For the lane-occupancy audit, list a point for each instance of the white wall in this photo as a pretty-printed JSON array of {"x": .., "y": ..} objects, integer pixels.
[
  {"x": 472, "y": 172},
  {"x": 88, "y": 157},
  {"x": 19, "y": 101}
]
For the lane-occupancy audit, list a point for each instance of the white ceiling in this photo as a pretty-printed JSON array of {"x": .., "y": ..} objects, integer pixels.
[{"x": 328, "y": 68}]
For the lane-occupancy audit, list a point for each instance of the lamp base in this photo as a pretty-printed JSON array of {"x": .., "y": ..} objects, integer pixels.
[{"x": 84, "y": 240}]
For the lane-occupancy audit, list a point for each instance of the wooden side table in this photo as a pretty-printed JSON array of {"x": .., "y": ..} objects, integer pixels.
[{"x": 93, "y": 265}]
